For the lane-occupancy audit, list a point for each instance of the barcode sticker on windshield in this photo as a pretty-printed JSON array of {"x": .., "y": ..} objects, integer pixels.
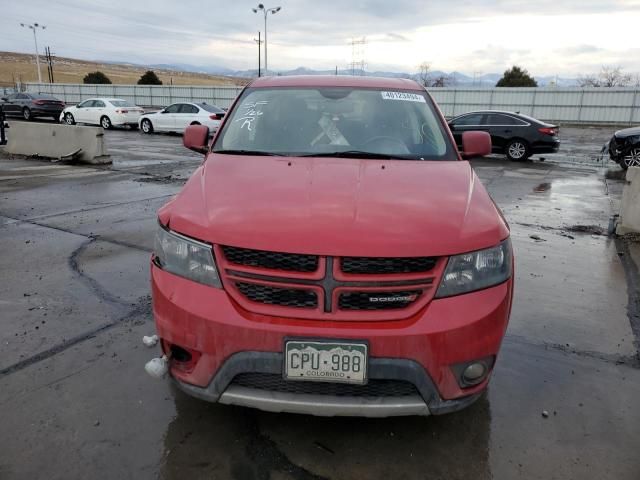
[{"x": 404, "y": 96}]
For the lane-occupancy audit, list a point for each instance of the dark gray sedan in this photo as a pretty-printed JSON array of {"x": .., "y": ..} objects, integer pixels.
[{"x": 32, "y": 105}]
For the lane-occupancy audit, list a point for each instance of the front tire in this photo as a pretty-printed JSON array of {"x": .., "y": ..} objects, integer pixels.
[
  {"x": 68, "y": 119},
  {"x": 147, "y": 126},
  {"x": 632, "y": 159},
  {"x": 26, "y": 114},
  {"x": 105, "y": 123},
  {"x": 517, "y": 150}
]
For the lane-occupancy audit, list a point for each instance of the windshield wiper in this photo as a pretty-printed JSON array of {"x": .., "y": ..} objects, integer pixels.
[
  {"x": 248, "y": 152},
  {"x": 353, "y": 154}
]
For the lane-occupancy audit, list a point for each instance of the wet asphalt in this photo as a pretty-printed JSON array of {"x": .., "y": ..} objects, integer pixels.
[{"x": 75, "y": 402}]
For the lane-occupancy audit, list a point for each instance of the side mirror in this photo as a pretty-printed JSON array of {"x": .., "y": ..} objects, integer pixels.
[
  {"x": 164, "y": 110},
  {"x": 196, "y": 138},
  {"x": 475, "y": 144},
  {"x": 5, "y": 99}
]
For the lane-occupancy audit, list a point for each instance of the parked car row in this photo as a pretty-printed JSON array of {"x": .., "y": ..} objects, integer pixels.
[{"x": 113, "y": 112}]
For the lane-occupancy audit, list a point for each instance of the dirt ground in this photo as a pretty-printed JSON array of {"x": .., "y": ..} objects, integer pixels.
[{"x": 21, "y": 67}]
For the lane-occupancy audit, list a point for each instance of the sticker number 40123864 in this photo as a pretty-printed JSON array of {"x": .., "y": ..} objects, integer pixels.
[{"x": 404, "y": 96}]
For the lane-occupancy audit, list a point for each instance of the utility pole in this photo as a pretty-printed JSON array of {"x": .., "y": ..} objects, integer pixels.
[
  {"x": 259, "y": 42},
  {"x": 266, "y": 11},
  {"x": 49, "y": 64},
  {"x": 35, "y": 27}
]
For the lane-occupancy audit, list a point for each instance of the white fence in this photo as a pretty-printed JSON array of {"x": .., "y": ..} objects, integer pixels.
[
  {"x": 598, "y": 106},
  {"x": 143, "y": 95}
]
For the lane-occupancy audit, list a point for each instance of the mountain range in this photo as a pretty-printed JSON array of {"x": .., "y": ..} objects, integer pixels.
[{"x": 486, "y": 80}]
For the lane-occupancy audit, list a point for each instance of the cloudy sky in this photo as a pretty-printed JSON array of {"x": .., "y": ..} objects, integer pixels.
[{"x": 548, "y": 37}]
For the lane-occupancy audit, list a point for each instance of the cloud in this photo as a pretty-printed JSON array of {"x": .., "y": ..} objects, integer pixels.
[{"x": 317, "y": 34}]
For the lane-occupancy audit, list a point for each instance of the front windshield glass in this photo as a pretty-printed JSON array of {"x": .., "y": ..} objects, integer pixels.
[{"x": 345, "y": 121}]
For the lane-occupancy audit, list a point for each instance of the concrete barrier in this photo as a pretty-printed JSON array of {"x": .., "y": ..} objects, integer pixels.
[
  {"x": 629, "y": 221},
  {"x": 84, "y": 144}
]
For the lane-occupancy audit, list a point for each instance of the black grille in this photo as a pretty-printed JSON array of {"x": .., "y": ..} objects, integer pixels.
[
  {"x": 377, "y": 300},
  {"x": 386, "y": 265},
  {"x": 291, "y": 262},
  {"x": 276, "y": 383},
  {"x": 283, "y": 296}
]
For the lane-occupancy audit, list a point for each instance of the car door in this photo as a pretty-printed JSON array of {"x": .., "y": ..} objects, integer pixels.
[
  {"x": 167, "y": 117},
  {"x": 466, "y": 123},
  {"x": 186, "y": 115},
  {"x": 97, "y": 110},
  {"x": 81, "y": 113},
  {"x": 9, "y": 106},
  {"x": 502, "y": 128}
]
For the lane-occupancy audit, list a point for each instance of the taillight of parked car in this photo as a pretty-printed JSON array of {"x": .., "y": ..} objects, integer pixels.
[
  {"x": 39, "y": 102},
  {"x": 120, "y": 110},
  {"x": 216, "y": 116},
  {"x": 549, "y": 131}
]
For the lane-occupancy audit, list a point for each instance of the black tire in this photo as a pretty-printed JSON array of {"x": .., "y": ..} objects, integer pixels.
[
  {"x": 195, "y": 123},
  {"x": 26, "y": 114},
  {"x": 632, "y": 159},
  {"x": 68, "y": 119},
  {"x": 105, "y": 122},
  {"x": 146, "y": 125},
  {"x": 517, "y": 150}
]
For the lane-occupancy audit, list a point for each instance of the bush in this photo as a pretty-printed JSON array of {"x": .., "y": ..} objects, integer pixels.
[
  {"x": 96, "y": 77},
  {"x": 516, "y": 77},
  {"x": 149, "y": 78}
]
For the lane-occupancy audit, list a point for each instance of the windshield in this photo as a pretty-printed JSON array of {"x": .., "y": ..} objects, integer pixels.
[
  {"x": 342, "y": 121},
  {"x": 121, "y": 103}
]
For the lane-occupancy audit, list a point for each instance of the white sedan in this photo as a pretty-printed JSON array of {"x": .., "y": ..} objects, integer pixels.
[
  {"x": 106, "y": 112},
  {"x": 178, "y": 116}
]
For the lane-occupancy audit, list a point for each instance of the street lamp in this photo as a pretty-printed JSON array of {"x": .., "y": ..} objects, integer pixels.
[
  {"x": 266, "y": 11},
  {"x": 35, "y": 27}
]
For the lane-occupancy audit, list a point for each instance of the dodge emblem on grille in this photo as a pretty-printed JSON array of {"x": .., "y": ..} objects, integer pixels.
[{"x": 398, "y": 298}]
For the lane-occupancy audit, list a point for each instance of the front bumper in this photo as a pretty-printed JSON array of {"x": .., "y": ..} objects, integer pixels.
[
  {"x": 425, "y": 401},
  {"x": 420, "y": 349}
]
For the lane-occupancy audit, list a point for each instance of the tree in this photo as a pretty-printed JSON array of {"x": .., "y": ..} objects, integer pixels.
[
  {"x": 516, "y": 77},
  {"x": 96, "y": 77},
  {"x": 427, "y": 79},
  {"x": 608, "y": 77},
  {"x": 149, "y": 78},
  {"x": 424, "y": 74}
]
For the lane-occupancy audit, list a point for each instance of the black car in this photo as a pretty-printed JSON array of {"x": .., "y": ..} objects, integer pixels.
[
  {"x": 32, "y": 105},
  {"x": 624, "y": 147},
  {"x": 517, "y": 136}
]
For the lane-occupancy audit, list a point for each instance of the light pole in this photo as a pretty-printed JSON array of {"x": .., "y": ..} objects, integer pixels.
[
  {"x": 266, "y": 11},
  {"x": 35, "y": 27},
  {"x": 259, "y": 42}
]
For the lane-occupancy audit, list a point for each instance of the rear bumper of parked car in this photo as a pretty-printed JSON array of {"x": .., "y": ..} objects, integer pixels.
[
  {"x": 546, "y": 147},
  {"x": 226, "y": 341},
  {"x": 45, "y": 111},
  {"x": 120, "y": 119}
]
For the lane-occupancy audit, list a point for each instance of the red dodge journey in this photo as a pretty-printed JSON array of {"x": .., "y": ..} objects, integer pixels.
[{"x": 334, "y": 254}]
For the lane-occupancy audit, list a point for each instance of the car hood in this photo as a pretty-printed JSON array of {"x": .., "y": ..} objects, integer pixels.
[
  {"x": 627, "y": 132},
  {"x": 331, "y": 206}
]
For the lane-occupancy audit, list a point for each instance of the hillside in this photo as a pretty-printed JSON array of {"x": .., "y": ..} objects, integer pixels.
[{"x": 21, "y": 67}]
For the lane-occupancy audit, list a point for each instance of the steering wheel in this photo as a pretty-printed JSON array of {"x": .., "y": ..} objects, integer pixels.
[{"x": 387, "y": 144}]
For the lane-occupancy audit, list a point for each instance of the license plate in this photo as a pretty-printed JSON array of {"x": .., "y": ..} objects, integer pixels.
[{"x": 320, "y": 361}]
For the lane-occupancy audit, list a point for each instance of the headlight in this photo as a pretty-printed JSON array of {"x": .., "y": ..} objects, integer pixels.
[
  {"x": 186, "y": 257},
  {"x": 476, "y": 270}
]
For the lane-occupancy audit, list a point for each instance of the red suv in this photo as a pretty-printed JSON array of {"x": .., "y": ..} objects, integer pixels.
[{"x": 333, "y": 255}]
